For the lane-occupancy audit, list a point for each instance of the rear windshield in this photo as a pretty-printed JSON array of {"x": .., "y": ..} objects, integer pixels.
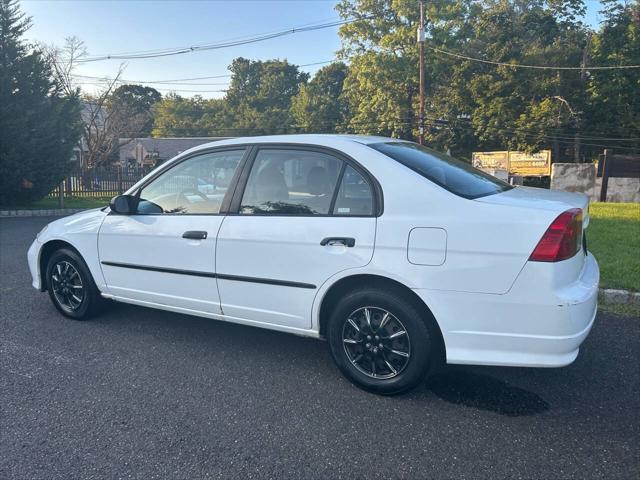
[{"x": 455, "y": 175}]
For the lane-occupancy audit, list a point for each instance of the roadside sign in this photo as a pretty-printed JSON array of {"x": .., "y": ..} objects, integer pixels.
[
  {"x": 491, "y": 160},
  {"x": 516, "y": 163},
  {"x": 525, "y": 164}
]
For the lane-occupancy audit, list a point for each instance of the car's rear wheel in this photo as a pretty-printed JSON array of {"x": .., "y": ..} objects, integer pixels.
[
  {"x": 71, "y": 286},
  {"x": 380, "y": 341}
]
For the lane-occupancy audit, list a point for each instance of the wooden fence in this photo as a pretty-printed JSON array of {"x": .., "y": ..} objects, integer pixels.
[
  {"x": 99, "y": 181},
  {"x": 613, "y": 165}
]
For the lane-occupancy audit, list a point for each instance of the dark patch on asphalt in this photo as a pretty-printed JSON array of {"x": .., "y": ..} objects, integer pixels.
[{"x": 486, "y": 393}]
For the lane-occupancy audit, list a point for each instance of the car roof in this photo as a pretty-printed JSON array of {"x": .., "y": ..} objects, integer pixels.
[{"x": 314, "y": 139}]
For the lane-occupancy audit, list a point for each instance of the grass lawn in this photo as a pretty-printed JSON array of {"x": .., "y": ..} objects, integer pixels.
[
  {"x": 69, "y": 202},
  {"x": 613, "y": 237}
]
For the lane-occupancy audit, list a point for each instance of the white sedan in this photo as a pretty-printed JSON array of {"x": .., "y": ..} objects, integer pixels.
[{"x": 400, "y": 256}]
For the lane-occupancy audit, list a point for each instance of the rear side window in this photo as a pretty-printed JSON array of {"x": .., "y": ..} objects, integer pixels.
[
  {"x": 354, "y": 196},
  {"x": 454, "y": 175},
  {"x": 291, "y": 182}
]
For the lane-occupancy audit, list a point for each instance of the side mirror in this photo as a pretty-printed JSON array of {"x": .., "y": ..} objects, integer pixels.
[{"x": 124, "y": 204}]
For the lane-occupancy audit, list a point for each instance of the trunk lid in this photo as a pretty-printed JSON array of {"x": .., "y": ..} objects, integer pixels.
[
  {"x": 543, "y": 199},
  {"x": 563, "y": 272}
]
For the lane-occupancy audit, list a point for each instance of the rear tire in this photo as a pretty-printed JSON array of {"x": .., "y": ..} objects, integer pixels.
[
  {"x": 71, "y": 286},
  {"x": 380, "y": 341}
]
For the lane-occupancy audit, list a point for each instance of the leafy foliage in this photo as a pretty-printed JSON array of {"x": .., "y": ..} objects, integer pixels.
[
  {"x": 259, "y": 96},
  {"x": 258, "y": 102},
  {"x": 473, "y": 105},
  {"x": 139, "y": 100},
  {"x": 470, "y": 105},
  {"x": 38, "y": 125},
  {"x": 614, "y": 94},
  {"x": 176, "y": 116},
  {"x": 320, "y": 106}
]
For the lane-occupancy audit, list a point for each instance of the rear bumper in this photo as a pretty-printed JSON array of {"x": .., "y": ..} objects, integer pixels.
[{"x": 535, "y": 324}]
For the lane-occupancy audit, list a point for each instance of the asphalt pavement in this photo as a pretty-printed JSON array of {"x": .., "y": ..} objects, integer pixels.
[{"x": 141, "y": 393}]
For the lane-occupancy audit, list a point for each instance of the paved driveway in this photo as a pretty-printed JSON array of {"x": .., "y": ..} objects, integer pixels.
[{"x": 139, "y": 393}]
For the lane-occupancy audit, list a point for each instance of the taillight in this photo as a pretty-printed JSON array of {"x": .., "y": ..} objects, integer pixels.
[{"x": 562, "y": 239}]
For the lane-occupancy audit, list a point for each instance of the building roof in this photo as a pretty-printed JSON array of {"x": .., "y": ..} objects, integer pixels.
[{"x": 165, "y": 148}]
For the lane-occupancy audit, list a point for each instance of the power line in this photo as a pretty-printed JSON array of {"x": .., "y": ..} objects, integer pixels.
[
  {"x": 156, "y": 81},
  {"x": 103, "y": 81},
  {"x": 548, "y": 138},
  {"x": 168, "y": 89},
  {"x": 520, "y": 65},
  {"x": 519, "y": 130},
  {"x": 219, "y": 45},
  {"x": 174, "y": 80},
  {"x": 450, "y": 125},
  {"x": 241, "y": 37},
  {"x": 378, "y": 126}
]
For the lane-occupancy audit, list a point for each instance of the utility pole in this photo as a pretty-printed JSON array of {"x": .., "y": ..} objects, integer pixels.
[
  {"x": 583, "y": 84},
  {"x": 421, "y": 42}
]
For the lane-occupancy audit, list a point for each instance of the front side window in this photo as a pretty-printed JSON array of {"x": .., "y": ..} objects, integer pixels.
[
  {"x": 454, "y": 175},
  {"x": 196, "y": 185},
  {"x": 291, "y": 182}
]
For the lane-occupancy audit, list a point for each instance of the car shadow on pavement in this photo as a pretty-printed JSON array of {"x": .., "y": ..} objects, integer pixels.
[
  {"x": 484, "y": 392},
  {"x": 458, "y": 385}
]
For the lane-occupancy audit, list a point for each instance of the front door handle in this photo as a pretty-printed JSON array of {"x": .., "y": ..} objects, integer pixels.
[
  {"x": 195, "y": 235},
  {"x": 345, "y": 241}
]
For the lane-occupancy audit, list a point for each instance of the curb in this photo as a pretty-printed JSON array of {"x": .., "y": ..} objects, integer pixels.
[
  {"x": 47, "y": 212},
  {"x": 612, "y": 296}
]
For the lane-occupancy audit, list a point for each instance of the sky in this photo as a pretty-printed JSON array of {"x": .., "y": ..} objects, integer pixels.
[{"x": 116, "y": 26}]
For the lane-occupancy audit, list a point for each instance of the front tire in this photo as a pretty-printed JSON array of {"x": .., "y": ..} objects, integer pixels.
[
  {"x": 71, "y": 286},
  {"x": 380, "y": 341}
]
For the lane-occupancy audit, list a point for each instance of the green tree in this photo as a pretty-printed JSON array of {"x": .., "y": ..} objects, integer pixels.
[
  {"x": 319, "y": 106},
  {"x": 139, "y": 100},
  {"x": 526, "y": 109},
  {"x": 614, "y": 109},
  {"x": 39, "y": 127},
  {"x": 258, "y": 102},
  {"x": 469, "y": 104},
  {"x": 176, "y": 116},
  {"x": 259, "y": 96},
  {"x": 382, "y": 85}
]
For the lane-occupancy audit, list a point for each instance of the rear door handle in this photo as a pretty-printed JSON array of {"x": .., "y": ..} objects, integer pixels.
[
  {"x": 345, "y": 241},
  {"x": 195, "y": 235}
]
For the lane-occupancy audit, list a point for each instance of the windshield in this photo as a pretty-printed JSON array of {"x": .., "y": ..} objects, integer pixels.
[{"x": 454, "y": 175}]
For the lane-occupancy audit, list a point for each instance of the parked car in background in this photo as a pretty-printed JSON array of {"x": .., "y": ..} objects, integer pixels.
[{"x": 400, "y": 256}]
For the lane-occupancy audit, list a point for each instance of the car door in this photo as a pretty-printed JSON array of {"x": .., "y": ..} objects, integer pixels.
[
  {"x": 165, "y": 252},
  {"x": 299, "y": 216}
]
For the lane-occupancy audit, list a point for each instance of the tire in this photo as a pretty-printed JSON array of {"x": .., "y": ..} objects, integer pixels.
[
  {"x": 71, "y": 286},
  {"x": 388, "y": 360}
]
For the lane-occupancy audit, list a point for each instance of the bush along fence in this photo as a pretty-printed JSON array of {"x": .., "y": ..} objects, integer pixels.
[{"x": 94, "y": 182}]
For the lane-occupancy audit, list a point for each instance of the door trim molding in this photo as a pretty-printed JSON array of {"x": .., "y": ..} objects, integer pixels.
[
  {"x": 221, "y": 276},
  {"x": 176, "y": 271},
  {"x": 268, "y": 281}
]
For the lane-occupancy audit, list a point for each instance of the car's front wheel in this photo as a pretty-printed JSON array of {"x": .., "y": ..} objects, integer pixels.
[
  {"x": 71, "y": 286},
  {"x": 380, "y": 341}
]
